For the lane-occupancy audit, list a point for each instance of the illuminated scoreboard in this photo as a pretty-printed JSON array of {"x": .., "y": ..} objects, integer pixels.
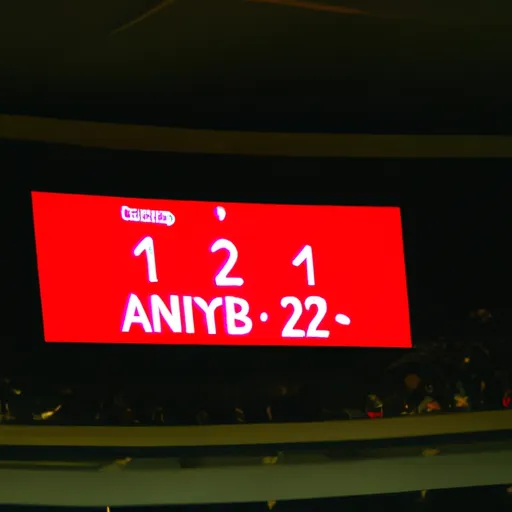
[{"x": 118, "y": 270}]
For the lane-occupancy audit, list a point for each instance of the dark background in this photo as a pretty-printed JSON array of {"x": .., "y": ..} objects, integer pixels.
[
  {"x": 426, "y": 66},
  {"x": 456, "y": 221},
  {"x": 429, "y": 66}
]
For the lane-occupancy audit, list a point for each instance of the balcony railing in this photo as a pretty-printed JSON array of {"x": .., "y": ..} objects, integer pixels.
[{"x": 127, "y": 466}]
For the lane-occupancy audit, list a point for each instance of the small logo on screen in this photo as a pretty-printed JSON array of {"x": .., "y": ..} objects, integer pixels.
[{"x": 148, "y": 216}]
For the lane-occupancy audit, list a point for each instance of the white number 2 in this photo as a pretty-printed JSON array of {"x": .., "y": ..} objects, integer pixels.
[
  {"x": 222, "y": 278},
  {"x": 146, "y": 245},
  {"x": 289, "y": 330}
]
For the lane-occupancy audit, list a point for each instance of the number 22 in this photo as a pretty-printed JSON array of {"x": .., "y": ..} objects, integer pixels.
[{"x": 289, "y": 330}]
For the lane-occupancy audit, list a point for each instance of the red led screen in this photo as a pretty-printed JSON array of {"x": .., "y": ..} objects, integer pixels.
[{"x": 117, "y": 270}]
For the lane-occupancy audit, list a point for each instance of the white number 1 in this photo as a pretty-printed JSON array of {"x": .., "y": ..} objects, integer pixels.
[
  {"x": 146, "y": 245},
  {"x": 306, "y": 255}
]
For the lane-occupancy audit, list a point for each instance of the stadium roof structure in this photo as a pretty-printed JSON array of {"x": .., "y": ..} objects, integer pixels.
[{"x": 115, "y": 136}]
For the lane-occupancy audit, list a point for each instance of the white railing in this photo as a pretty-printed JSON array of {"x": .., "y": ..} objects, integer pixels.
[
  {"x": 312, "y": 473},
  {"x": 257, "y": 434}
]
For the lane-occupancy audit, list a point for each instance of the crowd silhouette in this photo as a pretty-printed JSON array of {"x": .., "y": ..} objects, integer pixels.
[{"x": 444, "y": 375}]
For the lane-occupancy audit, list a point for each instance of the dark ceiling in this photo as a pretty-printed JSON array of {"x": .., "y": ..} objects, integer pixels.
[{"x": 304, "y": 65}]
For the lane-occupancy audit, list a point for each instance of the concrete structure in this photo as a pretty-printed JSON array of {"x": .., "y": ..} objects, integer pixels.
[{"x": 294, "y": 461}]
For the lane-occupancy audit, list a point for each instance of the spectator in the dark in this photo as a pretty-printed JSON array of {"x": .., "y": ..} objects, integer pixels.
[
  {"x": 374, "y": 407},
  {"x": 286, "y": 404},
  {"x": 461, "y": 399}
]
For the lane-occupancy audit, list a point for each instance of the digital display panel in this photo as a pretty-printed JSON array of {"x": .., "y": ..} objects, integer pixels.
[{"x": 145, "y": 271}]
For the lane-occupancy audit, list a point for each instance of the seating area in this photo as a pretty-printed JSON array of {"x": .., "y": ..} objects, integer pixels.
[{"x": 435, "y": 378}]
